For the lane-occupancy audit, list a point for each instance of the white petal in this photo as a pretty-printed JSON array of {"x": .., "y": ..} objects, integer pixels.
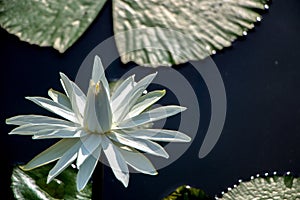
[
  {"x": 30, "y": 129},
  {"x": 145, "y": 102},
  {"x": 90, "y": 120},
  {"x": 131, "y": 98},
  {"x": 150, "y": 116},
  {"x": 89, "y": 144},
  {"x": 51, "y": 154},
  {"x": 140, "y": 144},
  {"x": 103, "y": 109},
  {"x": 138, "y": 161},
  {"x": 37, "y": 120},
  {"x": 116, "y": 161},
  {"x": 159, "y": 135},
  {"x": 98, "y": 74},
  {"x": 61, "y": 133},
  {"x": 122, "y": 91},
  {"x": 60, "y": 98},
  {"x": 54, "y": 107},
  {"x": 68, "y": 157},
  {"x": 77, "y": 97},
  {"x": 87, "y": 168}
]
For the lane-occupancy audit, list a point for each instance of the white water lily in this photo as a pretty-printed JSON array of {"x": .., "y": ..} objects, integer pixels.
[{"x": 98, "y": 122}]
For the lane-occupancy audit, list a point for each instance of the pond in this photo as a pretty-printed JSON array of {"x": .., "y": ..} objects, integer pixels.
[{"x": 261, "y": 133}]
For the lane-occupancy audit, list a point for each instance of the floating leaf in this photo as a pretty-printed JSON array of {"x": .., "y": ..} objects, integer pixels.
[
  {"x": 56, "y": 23},
  {"x": 32, "y": 185},
  {"x": 186, "y": 192},
  {"x": 276, "y": 187},
  {"x": 149, "y": 32},
  {"x": 155, "y": 32}
]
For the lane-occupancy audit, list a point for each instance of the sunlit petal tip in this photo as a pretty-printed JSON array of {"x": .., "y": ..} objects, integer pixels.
[
  {"x": 124, "y": 178},
  {"x": 8, "y": 120},
  {"x": 34, "y": 137},
  {"x": 149, "y": 77},
  {"x": 126, "y": 185},
  {"x": 26, "y": 168},
  {"x": 187, "y": 139},
  {"x": 154, "y": 74},
  {"x": 98, "y": 70},
  {"x": 182, "y": 108},
  {"x": 125, "y": 181},
  {"x": 80, "y": 187},
  {"x": 62, "y": 75},
  {"x": 49, "y": 179},
  {"x": 98, "y": 59},
  {"x": 64, "y": 79},
  {"x": 166, "y": 156},
  {"x": 50, "y": 90},
  {"x": 23, "y": 167},
  {"x": 154, "y": 173}
]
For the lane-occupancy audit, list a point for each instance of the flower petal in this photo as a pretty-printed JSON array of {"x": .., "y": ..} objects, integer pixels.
[
  {"x": 37, "y": 120},
  {"x": 122, "y": 91},
  {"x": 103, "y": 109},
  {"x": 159, "y": 135},
  {"x": 89, "y": 144},
  {"x": 116, "y": 161},
  {"x": 51, "y": 154},
  {"x": 30, "y": 129},
  {"x": 54, "y": 107},
  {"x": 68, "y": 157},
  {"x": 98, "y": 74},
  {"x": 77, "y": 97},
  {"x": 145, "y": 102},
  {"x": 138, "y": 161},
  {"x": 90, "y": 120},
  {"x": 60, "y": 98},
  {"x": 140, "y": 144},
  {"x": 87, "y": 168},
  {"x": 131, "y": 98},
  {"x": 61, "y": 133},
  {"x": 150, "y": 116}
]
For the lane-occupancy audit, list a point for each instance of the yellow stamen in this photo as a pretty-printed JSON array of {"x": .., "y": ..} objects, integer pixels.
[{"x": 97, "y": 87}]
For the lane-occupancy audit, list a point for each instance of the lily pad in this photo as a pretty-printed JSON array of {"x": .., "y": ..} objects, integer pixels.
[
  {"x": 186, "y": 192},
  {"x": 56, "y": 23},
  {"x": 32, "y": 185},
  {"x": 276, "y": 187},
  {"x": 155, "y": 32},
  {"x": 150, "y": 33}
]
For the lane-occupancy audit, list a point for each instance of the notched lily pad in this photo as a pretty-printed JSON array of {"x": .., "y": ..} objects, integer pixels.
[
  {"x": 155, "y": 32},
  {"x": 273, "y": 187},
  {"x": 32, "y": 185},
  {"x": 57, "y": 23}
]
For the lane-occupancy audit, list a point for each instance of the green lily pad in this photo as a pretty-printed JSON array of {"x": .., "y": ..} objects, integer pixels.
[
  {"x": 32, "y": 185},
  {"x": 57, "y": 23},
  {"x": 276, "y": 187},
  {"x": 150, "y": 33},
  {"x": 186, "y": 192},
  {"x": 155, "y": 33}
]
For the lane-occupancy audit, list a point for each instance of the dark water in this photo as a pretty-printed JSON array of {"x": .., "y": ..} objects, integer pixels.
[{"x": 262, "y": 128}]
